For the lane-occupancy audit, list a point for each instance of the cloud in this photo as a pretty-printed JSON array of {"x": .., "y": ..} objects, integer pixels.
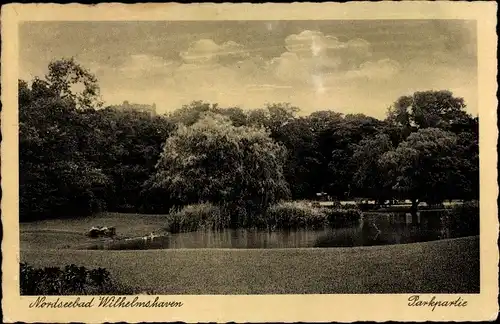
[
  {"x": 291, "y": 68},
  {"x": 206, "y": 51},
  {"x": 138, "y": 65},
  {"x": 359, "y": 45},
  {"x": 382, "y": 69},
  {"x": 311, "y": 69},
  {"x": 251, "y": 70},
  {"x": 288, "y": 68},
  {"x": 202, "y": 51},
  {"x": 311, "y": 43},
  {"x": 136, "y": 71},
  {"x": 191, "y": 76},
  {"x": 315, "y": 70},
  {"x": 312, "y": 57}
]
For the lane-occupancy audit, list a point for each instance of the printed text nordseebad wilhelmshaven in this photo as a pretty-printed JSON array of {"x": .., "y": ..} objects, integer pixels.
[{"x": 103, "y": 301}]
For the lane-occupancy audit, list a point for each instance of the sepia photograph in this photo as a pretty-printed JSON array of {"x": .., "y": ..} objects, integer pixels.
[{"x": 248, "y": 157}]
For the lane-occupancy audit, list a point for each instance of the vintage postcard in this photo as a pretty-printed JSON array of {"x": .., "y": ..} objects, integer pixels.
[{"x": 299, "y": 162}]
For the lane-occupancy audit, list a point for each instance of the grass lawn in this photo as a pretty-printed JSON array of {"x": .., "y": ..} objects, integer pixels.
[
  {"x": 447, "y": 266},
  {"x": 71, "y": 233}
]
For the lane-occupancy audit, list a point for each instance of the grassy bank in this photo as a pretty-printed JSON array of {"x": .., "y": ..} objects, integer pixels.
[
  {"x": 447, "y": 266},
  {"x": 70, "y": 233}
]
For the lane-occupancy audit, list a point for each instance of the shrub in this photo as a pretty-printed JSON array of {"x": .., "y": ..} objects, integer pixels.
[
  {"x": 343, "y": 216},
  {"x": 462, "y": 219},
  {"x": 303, "y": 214},
  {"x": 295, "y": 214},
  {"x": 196, "y": 217},
  {"x": 72, "y": 280}
]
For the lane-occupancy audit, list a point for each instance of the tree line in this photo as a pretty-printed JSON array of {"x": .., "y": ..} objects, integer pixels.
[{"x": 77, "y": 157}]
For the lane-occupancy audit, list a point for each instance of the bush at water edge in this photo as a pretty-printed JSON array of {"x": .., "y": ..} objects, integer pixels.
[
  {"x": 198, "y": 216},
  {"x": 462, "y": 219}
]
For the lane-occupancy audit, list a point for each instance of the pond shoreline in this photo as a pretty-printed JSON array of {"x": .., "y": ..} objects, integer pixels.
[
  {"x": 268, "y": 249},
  {"x": 134, "y": 233}
]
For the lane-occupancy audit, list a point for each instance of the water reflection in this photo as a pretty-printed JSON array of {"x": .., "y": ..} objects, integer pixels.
[{"x": 374, "y": 229}]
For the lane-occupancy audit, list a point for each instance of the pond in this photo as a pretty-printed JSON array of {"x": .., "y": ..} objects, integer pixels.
[{"x": 375, "y": 229}]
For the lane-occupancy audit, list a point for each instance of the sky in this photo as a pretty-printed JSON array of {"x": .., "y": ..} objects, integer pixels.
[{"x": 358, "y": 66}]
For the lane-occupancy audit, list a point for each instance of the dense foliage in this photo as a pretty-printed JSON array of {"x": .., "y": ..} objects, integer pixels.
[
  {"x": 71, "y": 280},
  {"x": 296, "y": 214},
  {"x": 197, "y": 217},
  {"x": 77, "y": 158},
  {"x": 463, "y": 219},
  {"x": 303, "y": 214}
]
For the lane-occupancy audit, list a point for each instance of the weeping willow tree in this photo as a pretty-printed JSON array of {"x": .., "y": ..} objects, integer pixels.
[{"x": 240, "y": 168}]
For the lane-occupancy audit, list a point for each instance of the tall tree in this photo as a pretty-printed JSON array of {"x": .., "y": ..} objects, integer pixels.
[
  {"x": 336, "y": 143},
  {"x": 424, "y": 166},
  {"x": 436, "y": 109},
  {"x": 303, "y": 164},
  {"x": 55, "y": 177},
  {"x": 237, "y": 116},
  {"x": 214, "y": 161},
  {"x": 369, "y": 179},
  {"x": 68, "y": 79},
  {"x": 126, "y": 145},
  {"x": 190, "y": 114}
]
